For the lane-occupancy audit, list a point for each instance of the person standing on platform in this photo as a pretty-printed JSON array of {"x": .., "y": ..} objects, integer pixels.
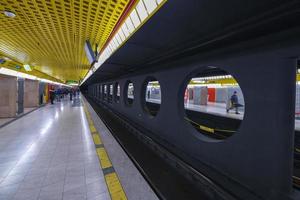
[
  {"x": 52, "y": 96},
  {"x": 71, "y": 94},
  {"x": 234, "y": 103}
]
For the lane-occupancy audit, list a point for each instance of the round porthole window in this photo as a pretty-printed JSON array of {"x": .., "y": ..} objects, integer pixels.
[
  {"x": 110, "y": 94},
  {"x": 151, "y": 96},
  {"x": 105, "y": 92},
  {"x": 129, "y": 93},
  {"x": 117, "y": 92},
  {"x": 214, "y": 103}
]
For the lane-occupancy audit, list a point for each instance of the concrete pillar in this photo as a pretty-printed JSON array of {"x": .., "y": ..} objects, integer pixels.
[
  {"x": 31, "y": 93},
  {"x": 8, "y": 96}
]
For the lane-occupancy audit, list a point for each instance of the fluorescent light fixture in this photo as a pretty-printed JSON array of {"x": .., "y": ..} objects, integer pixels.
[
  {"x": 141, "y": 10},
  {"x": 150, "y": 5},
  {"x": 73, "y": 84},
  {"x": 122, "y": 34},
  {"x": 27, "y": 67},
  {"x": 129, "y": 25},
  {"x": 125, "y": 30},
  {"x": 10, "y": 72},
  {"x": 9, "y": 14},
  {"x": 199, "y": 81},
  {"x": 135, "y": 19}
]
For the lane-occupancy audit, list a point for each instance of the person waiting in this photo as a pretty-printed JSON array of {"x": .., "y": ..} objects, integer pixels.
[
  {"x": 52, "y": 96},
  {"x": 234, "y": 103}
]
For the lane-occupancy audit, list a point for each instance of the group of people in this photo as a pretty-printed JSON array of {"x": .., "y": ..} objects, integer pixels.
[{"x": 60, "y": 93}]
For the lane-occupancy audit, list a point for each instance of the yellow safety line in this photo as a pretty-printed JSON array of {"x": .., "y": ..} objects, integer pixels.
[
  {"x": 104, "y": 160},
  {"x": 112, "y": 180},
  {"x": 97, "y": 139},
  {"x": 297, "y": 150},
  {"x": 92, "y": 128},
  {"x": 207, "y": 129}
]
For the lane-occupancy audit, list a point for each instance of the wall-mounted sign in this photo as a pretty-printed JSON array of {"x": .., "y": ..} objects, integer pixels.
[
  {"x": 89, "y": 52},
  {"x": 18, "y": 67}
]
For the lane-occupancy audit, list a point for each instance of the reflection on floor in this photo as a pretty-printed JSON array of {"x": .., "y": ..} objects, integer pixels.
[{"x": 49, "y": 154}]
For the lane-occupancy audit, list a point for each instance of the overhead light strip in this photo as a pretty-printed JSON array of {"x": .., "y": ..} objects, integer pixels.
[
  {"x": 138, "y": 16},
  {"x": 10, "y": 72}
]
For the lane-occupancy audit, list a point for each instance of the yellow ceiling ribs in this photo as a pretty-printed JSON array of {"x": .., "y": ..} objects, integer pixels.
[
  {"x": 50, "y": 34},
  {"x": 16, "y": 66}
]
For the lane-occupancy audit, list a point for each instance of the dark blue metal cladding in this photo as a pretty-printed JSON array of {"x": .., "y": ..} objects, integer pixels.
[{"x": 260, "y": 155}]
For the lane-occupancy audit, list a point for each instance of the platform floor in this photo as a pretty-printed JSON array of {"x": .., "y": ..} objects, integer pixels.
[
  {"x": 4, "y": 121},
  {"x": 49, "y": 154},
  {"x": 218, "y": 109}
]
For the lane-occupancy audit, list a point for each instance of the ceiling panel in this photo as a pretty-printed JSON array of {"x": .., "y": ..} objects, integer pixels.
[{"x": 50, "y": 34}]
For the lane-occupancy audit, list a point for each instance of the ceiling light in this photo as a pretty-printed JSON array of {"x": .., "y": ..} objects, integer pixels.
[
  {"x": 9, "y": 14},
  {"x": 27, "y": 68}
]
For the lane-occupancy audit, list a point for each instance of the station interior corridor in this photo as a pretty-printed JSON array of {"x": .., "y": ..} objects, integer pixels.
[
  {"x": 49, "y": 154},
  {"x": 149, "y": 99}
]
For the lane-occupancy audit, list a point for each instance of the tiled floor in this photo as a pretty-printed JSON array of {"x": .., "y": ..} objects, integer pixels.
[
  {"x": 49, "y": 154},
  {"x": 6, "y": 120}
]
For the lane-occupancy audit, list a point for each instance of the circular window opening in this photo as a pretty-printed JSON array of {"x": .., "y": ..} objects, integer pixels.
[
  {"x": 129, "y": 93},
  {"x": 110, "y": 94},
  {"x": 214, "y": 103},
  {"x": 151, "y": 96},
  {"x": 117, "y": 92},
  {"x": 105, "y": 92},
  {"x": 100, "y": 91}
]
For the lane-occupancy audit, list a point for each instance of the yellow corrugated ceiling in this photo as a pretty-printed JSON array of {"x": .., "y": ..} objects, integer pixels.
[{"x": 50, "y": 34}]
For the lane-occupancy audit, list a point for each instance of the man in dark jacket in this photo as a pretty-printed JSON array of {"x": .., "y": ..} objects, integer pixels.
[
  {"x": 52, "y": 96},
  {"x": 234, "y": 103}
]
